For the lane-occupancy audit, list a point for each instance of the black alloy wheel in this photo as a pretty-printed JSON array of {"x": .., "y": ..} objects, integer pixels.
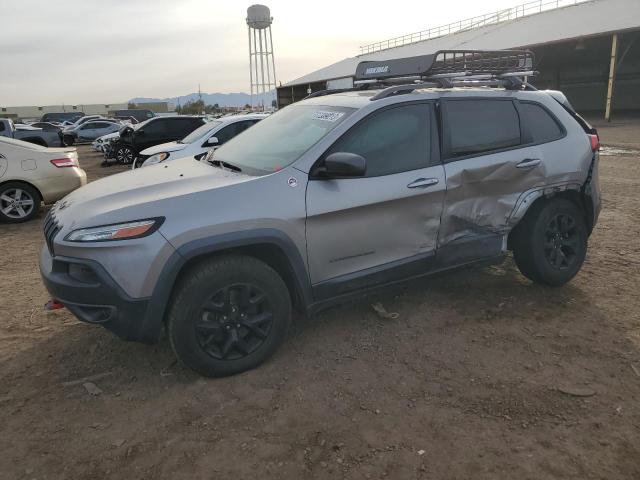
[
  {"x": 561, "y": 241},
  {"x": 234, "y": 322}
]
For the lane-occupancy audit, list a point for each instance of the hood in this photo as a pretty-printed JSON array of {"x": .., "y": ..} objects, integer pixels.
[
  {"x": 141, "y": 193},
  {"x": 108, "y": 136},
  {"x": 164, "y": 147}
]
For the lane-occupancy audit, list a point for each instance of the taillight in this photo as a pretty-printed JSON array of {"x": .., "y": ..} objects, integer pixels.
[
  {"x": 64, "y": 162},
  {"x": 595, "y": 142}
]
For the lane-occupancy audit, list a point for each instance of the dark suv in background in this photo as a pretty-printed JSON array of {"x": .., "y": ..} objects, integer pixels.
[
  {"x": 139, "y": 114},
  {"x": 157, "y": 130}
]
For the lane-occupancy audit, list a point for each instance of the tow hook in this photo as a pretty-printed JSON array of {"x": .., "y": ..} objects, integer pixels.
[{"x": 53, "y": 304}]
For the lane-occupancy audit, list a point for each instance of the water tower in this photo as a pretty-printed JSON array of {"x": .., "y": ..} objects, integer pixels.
[{"x": 262, "y": 67}]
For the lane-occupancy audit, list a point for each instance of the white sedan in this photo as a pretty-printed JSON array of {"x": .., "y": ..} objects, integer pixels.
[{"x": 198, "y": 143}]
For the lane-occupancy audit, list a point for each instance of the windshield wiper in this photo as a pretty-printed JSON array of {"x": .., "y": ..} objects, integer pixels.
[{"x": 223, "y": 164}]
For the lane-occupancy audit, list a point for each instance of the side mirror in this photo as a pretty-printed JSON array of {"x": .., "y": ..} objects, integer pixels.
[
  {"x": 344, "y": 164},
  {"x": 212, "y": 142}
]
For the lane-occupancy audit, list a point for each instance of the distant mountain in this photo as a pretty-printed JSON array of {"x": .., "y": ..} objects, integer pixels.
[{"x": 222, "y": 99}]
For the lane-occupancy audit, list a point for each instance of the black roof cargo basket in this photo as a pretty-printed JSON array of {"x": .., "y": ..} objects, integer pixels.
[
  {"x": 508, "y": 69},
  {"x": 448, "y": 62}
]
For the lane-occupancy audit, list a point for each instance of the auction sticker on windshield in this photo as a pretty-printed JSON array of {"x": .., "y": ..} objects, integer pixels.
[{"x": 327, "y": 116}]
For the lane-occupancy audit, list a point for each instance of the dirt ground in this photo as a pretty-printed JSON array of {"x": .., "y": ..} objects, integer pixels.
[{"x": 484, "y": 375}]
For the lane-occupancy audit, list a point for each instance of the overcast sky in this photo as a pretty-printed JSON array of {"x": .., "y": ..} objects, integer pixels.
[{"x": 108, "y": 51}]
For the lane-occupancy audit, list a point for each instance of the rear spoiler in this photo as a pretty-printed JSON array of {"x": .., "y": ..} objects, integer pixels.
[{"x": 562, "y": 100}]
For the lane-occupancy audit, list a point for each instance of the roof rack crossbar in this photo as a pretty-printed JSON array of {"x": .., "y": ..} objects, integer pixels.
[{"x": 509, "y": 83}]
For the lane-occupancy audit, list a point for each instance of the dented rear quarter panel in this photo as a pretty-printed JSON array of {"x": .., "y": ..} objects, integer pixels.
[{"x": 488, "y": 194}]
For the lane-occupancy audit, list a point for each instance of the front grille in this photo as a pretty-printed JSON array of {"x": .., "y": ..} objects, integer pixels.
[{"x": 51, "y": 229}]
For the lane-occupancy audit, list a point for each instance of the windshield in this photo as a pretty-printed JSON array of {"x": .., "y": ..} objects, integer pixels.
[
  {"x": 199, "y": 132},
  {"x": 279, "y": 140}
]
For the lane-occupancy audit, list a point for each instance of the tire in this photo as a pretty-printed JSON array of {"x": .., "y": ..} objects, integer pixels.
[
  {"x": 19, "y": 202},
  {"x": 68, "y": 140},
  {"x": 124, "y": 155},
  {"x": 228, "y": 315},
  {"x": 551, "y": 245}
]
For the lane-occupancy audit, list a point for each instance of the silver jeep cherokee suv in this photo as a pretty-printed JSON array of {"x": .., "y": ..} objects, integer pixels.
[{"x": 338, "y": 194}]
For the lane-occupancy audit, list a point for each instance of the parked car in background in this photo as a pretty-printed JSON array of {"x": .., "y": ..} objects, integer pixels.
[
  {"x": 30, "y": 134},
  {"x": 47, "y": 126},
  {"x": 198, "y": 143},
  {"x": 61, "y": 117},
  {"x": 157, "y": 130},
  {"x": 140, "y": 114},
  {"x": 89, "y": 131},
  {"x": 31, "y": 174},
  {"x": 100, "y": 143},
  {"x": 127, "y": 119}
]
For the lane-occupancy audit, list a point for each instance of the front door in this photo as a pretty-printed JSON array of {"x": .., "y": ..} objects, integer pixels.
[
  {"x": 383, "y": 226},
  {"x": 489, "y": 164}
]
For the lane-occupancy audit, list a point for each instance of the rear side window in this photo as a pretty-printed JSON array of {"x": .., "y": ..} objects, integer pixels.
[
  {"x": 479, "y": 126},
  {"x": 158, "y": 126},
  {"x": 392, "y": 141},
  {"x": 184, "y": 126},
  {"x": 230, "y": 131},
  {"x": 540, "y": 126}
]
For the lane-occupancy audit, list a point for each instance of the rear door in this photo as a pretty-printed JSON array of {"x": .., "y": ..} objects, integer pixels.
[
  {"x": 87, "y": 131},
  {"x": 155, "y": 132},
  {"x": 383, "y": 226},
  {"x": 489, "y": 163}
]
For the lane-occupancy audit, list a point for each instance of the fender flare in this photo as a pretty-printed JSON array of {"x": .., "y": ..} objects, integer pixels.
[{"x": 169, "y": 274}]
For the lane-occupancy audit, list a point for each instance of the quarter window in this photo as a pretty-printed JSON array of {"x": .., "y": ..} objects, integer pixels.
[
  {"x": 539, "y": 124},
  {"x": 392, "y": 141},
  {"x": 478, "y": 126}
]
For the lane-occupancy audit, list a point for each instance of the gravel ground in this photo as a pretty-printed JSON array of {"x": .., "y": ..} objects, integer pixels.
[{"x": 482, "y": 375}]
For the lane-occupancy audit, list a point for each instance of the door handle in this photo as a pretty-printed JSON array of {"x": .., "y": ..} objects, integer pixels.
[
  {"x": 529, "y": 163},
  {"x": 423, "y": 183}
]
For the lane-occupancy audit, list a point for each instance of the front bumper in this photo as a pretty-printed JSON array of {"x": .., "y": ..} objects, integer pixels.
[{"x": 87, "y": 290}]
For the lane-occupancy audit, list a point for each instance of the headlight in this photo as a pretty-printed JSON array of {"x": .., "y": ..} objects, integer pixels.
[
  {"x": 157, "y": 158},
  {"x": 120, "y": 231}
]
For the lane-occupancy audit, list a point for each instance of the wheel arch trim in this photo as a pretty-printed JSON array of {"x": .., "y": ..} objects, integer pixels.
[{"x": 216, "y": 244}]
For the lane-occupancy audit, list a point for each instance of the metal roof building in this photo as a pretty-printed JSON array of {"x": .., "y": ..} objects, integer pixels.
[{"x": 574, "y": 42}]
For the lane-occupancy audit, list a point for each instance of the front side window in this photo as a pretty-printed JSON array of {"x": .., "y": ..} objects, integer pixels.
[
  {"x": 540, "y": 125},
  {"x": 200, "y": 132},
  {"x": 391, "y": 141},
  {"x": 479, "y": 126},
  {"x": 88, "y": 126},
  {"x": 279, "y": 140}
]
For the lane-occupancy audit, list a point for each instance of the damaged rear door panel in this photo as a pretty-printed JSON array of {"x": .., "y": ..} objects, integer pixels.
[{"x": 487, "y": 170}]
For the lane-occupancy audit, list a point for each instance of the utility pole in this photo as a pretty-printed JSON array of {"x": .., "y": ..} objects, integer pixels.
[{"x": 612, "y": 75}]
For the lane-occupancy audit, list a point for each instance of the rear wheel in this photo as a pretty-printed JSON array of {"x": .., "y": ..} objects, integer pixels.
[
  {"x": 551, "y": 245},
  {"x": 228, "y": 315},
  {"x": 18, "y": 202},
  {"x": 68, "y": 140}
]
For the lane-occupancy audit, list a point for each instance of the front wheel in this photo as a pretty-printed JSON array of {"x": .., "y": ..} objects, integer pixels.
[
  {"x": 125, "y": 155},
  {"x": 228, "y": 315},
  {"x": 551, "y": 245}
]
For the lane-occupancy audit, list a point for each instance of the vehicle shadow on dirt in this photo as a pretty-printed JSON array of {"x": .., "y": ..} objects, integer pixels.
[{"x": 474, "y": 297}]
